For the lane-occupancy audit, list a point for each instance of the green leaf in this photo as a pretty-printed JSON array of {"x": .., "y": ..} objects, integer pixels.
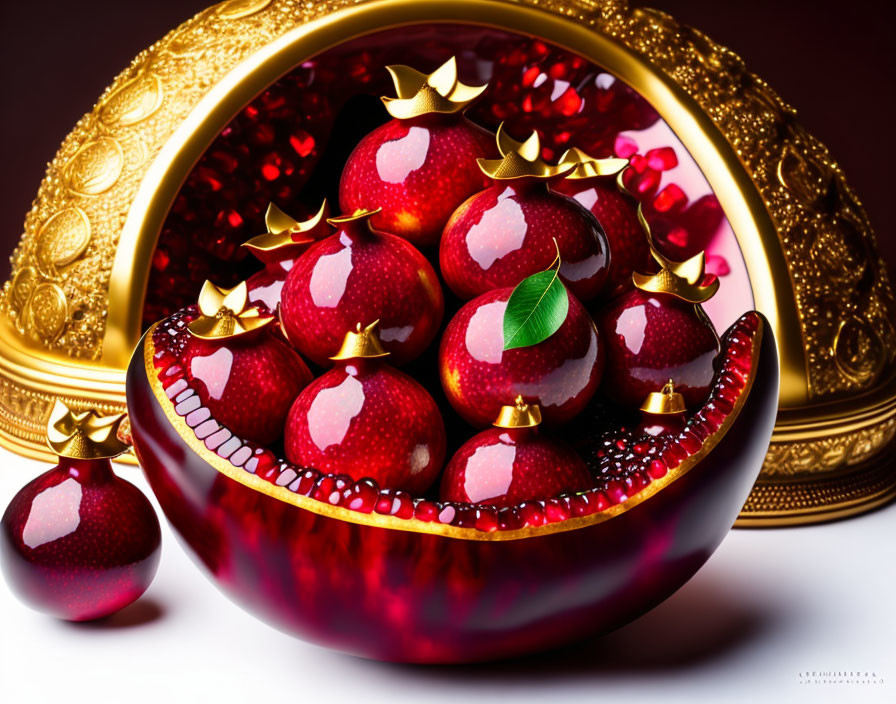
[{"x": 536, "y": 310}]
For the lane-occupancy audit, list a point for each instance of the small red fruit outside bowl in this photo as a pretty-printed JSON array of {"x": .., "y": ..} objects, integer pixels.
[
  {"x": 78, "y": 542},
  {"x": 385, "y": 575}
]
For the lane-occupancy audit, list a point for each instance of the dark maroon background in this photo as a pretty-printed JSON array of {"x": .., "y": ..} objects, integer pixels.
[{"x": 831, "y": 59}]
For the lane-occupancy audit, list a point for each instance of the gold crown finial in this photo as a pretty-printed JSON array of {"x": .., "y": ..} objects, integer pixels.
[
  {"x": 520, "y": 160},
  {"x": 423, "y": 94},
  {"x": 519, "y": 415},
  {"x": 665, "y": 402},
  {"x": 586, "y": 166},
  {"x": 85, "y": 435},
  {"x": 286, "y": 236},
  {"x": 361, "y": 343},
  {"x": 685, "y": 280},
  {"x": 224, "y": 313}
]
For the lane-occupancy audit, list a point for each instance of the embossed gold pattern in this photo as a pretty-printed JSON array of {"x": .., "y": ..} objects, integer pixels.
[{"x": 75, "y": 293}]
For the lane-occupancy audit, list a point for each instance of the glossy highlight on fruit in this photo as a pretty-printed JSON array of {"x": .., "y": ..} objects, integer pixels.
[
  {"x": 366, "y": 419},
  {"x": 361, "y": 275},
  {"x": 380, "y": 573},
  {"x": 651, "y": 338},
  {"x": 507, "y": 232},
  {"x": 513, "y": 463},
  {"x": 560, "y": 374},
  {"x": 79, "y": 543},
  {"x": 237, "y": 368}
]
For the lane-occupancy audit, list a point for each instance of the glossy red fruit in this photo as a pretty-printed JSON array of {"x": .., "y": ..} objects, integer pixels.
[
  {"x": 618, "y": 217},
  {"x": 247, "y": 385},
  {"x": 506, "y": 466},
  {"x": 284, "y": 242},
  {"x": 364, "y": 418},
  {"x": 414, "y": 580},
  {"x": 355, "y": 275},
  {"x": 506, "y": 233},
  {"x": 236, "y": 369},
  {"x": 418, "y": 171},
  {"x": 79, "y": 543},
  {"x": 560, "y": 374},
  {"x": 651, "y": 338}
]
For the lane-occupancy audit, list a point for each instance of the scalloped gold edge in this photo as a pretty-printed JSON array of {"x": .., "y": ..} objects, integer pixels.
[{"x": 414, "y": 525}]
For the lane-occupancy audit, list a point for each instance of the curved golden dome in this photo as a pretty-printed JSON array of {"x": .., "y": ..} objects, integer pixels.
[{"x": 72, "y": 310}]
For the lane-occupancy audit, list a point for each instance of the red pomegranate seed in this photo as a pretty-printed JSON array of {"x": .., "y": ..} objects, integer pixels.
[
  {"x": 531, "y": 514},
  {"x": 639, "y": 163},
  {"x": 657, "y": 468},
  {"x": 634, "y": 483},
  {"x": 615, "y": 492},
  {"x": 649, "y": 182},
  {"x": 670, "y": 198},
  {"x": 362, "y": 496},
  {"x": 324, "y": 488},
  {"x": 426, "y": 510},
  {"x": 556, "y": 510},
  {"x": 678, "y": 236},
  {"x": 599, "y": 501},
  {"x": 569, "y": 103},
  {"x": 625, "y": 147},
  {"x": 724, "y": 406},
  {"x": 530, "y": 75},
  {"x": 307, "y": 481},
  {"x": 508, "y": 519},
  {"x": 265, "y": 465},
  {"x": 465, "y": 517},
  {"x": 662, "y": 159},
  {"x": 486, "y": 519},
  {"x": 402, "y": 505},
  {"x": 579, "y": 505},
  {"x": 674, "y": 455}
]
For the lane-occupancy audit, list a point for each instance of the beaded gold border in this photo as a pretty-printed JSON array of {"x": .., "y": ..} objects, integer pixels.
[{"x": 415, "y": 525}]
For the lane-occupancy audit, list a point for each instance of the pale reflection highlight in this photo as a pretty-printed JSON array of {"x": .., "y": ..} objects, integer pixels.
[
  {"x": 332, "y": 411},
  {"x": 55, "y": 513},
  {"x": 489, "y": 472}
]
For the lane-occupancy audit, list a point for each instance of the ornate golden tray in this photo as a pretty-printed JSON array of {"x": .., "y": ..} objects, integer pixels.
[{"x": 86, "y": 275}]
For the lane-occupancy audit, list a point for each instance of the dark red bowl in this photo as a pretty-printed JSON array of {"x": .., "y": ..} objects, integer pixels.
[{"x": 426, "y": 591}]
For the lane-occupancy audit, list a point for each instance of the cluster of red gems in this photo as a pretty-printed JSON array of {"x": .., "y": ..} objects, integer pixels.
[{"x": 281, "y": 142}]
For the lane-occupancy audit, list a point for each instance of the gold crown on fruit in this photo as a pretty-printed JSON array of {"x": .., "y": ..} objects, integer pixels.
[
  {"x": 520, "y": 160},
  {"x": 436, "y": 92},
  {"x": 286, "y": 236},
  {"x": 586, "y": 166},
  {"x": 361, "y": 343},
  {"x": 519, "y": 415},
  {"x": 225, "y": 313},
  {"x": 84, "y": 435},
  {"x": 359, "y": 215},
  {"x": 665, "y": 402},
  {"x": 685, "y": 280}
]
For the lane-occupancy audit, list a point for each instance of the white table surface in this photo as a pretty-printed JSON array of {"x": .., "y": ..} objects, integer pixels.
[{"x": 768, "y": 609}]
